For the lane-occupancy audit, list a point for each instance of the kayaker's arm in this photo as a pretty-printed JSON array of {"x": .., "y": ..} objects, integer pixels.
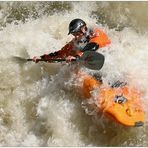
[{"x": 63, "y": 53}]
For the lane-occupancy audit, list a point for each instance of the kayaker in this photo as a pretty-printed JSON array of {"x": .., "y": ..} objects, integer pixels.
[{"x": 84, "y": 39}]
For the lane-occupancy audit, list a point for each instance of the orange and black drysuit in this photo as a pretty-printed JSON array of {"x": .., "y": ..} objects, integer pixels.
[{"x": 92, "y": 40}]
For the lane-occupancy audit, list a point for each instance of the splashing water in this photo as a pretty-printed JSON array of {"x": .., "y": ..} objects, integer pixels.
[{"x": 38, "y": 103}]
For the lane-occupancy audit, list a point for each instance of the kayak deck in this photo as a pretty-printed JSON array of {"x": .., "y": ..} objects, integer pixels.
[{"x": 121, "y": 104}]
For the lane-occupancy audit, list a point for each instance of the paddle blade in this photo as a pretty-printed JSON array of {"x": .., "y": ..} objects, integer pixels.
[
  {"x": 19, "y": 59},
  {"x": 92, "y": 60}
]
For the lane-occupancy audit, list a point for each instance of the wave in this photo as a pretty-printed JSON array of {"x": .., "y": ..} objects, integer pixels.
[{"x": 38, "y": 103}]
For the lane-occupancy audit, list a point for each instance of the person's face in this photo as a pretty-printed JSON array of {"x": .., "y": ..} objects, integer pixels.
[{"x": 79, "y": 34}]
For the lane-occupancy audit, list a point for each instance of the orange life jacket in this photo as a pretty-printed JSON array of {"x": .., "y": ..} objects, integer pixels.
[{"x": 100, "y": 37}]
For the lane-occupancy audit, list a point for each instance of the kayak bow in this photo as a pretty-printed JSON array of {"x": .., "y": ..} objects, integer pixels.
[{"x": 121, "y": 104}]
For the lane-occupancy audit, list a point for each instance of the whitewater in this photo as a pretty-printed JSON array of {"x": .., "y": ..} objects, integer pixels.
[{"x": 39, "y": 105}]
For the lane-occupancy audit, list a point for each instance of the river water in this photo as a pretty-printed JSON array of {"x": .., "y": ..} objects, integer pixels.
[{"x": 38, "y": 105}]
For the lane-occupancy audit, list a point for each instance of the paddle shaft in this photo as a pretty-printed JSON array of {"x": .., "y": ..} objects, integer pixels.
[{"x": 51, "y": 60}]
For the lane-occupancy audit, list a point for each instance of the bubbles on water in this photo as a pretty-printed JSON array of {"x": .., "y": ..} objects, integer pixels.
[{"x": 39, "y": 103}]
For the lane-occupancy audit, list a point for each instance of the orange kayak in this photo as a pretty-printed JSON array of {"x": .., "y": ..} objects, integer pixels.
[{"x": 121, "y": 104}]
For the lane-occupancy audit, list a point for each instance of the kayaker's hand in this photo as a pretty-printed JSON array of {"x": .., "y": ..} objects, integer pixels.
[
  {"x": 35, "y": 59},
  {"x": 70, "y": 58}
]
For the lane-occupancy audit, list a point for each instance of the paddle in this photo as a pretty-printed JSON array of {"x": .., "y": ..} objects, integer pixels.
[{"x": 90, "y": 59}]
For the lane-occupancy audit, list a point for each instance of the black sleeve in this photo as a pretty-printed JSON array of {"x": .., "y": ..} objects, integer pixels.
[
  {"x": 91, "y": 47},
  {"x": 51, "y": 55}
]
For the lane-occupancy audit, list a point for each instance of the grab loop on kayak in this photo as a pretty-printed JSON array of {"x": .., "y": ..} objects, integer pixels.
[
  {"x": 139, "y": 123},
  {"x": 120, "y": 99}
]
